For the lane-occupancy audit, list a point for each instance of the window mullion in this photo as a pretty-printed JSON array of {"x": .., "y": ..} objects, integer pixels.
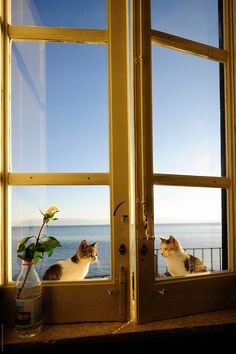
[
  {"x": 229, "y": 87},
  {"x": 20, "y": 179},
  {"x": 188, "y": 46},
  {"x": 191, "y": 181},
  {"x": 5, "y": 111},
  {"x": 72, "y": 35}
]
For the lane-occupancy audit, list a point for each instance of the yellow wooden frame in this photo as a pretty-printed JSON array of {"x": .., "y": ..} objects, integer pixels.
[
  {"x": 5, "y": 82},
  {"x": 32, "y": 179},
  {"x": 149, "y": 301},
  {"x": 71, "y": 35},
  {"x": 188, "y": 46},
  {"x": 107, "y": 299},
  {"x": 152, "y": 303},
  {"x": 190, "y": 181}
]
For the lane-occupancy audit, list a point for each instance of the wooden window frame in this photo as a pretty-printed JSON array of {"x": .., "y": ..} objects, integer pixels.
[
  {"x": 148, "y": 293},
  {"x": 114, "y": 296},
  {"x": 154, "y": 297}
]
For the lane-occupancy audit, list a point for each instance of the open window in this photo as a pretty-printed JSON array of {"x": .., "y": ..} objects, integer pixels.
[
  {"x": 66, "y": 143},
  {"x": 65, "y": 140},
  {"x": 183, "y": 157}
]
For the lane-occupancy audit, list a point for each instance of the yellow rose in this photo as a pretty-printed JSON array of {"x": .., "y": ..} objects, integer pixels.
[{"x": 52, "y": 210}]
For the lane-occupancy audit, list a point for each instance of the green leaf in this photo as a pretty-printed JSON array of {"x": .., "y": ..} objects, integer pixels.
[
  {"x": 37, "y": 257},
  {"x": 40, "y": 247},
  {"x": 28, "y": 252},
  {"x": 22, "y": 244},
  {"x": 33, "y": 252},
  {"x": 55, "y": 241},
  {"x": 50, "y": 251}
]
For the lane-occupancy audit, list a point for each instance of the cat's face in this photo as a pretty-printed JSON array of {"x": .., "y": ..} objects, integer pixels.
[
  {"x": 88, "y": 252},
  {"x": 168, "y": 246}
]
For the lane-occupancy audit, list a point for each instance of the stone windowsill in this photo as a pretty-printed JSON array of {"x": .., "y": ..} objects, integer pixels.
[{"x": 102, "y": 334}]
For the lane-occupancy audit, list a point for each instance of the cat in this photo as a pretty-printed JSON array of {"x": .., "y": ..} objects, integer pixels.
[
  {"x": 74, "y": 268},
  {"x": 179, "y": 262}
]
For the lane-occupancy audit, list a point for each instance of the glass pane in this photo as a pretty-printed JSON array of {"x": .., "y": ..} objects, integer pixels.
[
  {"x": 192, "y": 19},
  {"x": 59, "y": 108},
  {"x": 194, "y": 217},
  {"x": 84, "y": 213},
  {"x": 186, "y": 114},
  {"x": 60, "y": 13}
]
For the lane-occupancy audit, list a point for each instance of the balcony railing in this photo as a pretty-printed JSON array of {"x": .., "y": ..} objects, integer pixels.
[{"x": 211, "y": 256}]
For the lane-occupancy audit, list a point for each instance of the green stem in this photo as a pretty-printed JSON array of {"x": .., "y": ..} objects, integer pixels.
[
  {"x": 41, "y": 228},
  {"x": 21, "y": 288},
  {"x": 28, "y": 270}
]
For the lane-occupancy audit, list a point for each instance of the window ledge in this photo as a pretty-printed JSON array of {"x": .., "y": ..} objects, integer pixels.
[{"x": 114, "y": 335}]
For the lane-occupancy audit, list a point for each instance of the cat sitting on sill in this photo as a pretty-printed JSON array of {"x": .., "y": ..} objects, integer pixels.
[
  {"x": 179, "y": 262},
  {"x": 74, "y": 268}
]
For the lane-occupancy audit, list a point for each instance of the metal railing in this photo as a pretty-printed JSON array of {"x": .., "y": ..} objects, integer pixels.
[{"x": 211, "y": 256}]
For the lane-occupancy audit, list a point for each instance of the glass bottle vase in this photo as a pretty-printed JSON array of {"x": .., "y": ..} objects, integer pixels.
[{"x": 28, "y": 317}]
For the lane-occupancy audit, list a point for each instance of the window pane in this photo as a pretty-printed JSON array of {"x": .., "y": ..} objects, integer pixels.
[
  {"x": 59, "y": 108},
  {"x": 59, "y": 13},
  {"x": 186, "y": 114},
  {"x": 192, "y": 19},
  {"x": 84, "y": 213},
  {"x": 194, "y": 217}
]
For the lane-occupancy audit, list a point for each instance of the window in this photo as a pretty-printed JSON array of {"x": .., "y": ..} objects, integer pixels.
[
  {"x": 52, "y": 85},
  {"x": 183, "y": 159},
  {"x": 194, "y": 216},
  {"x": 187, "y": 132},
  {"x": 67, "y": 112},
  {"x": 66, "y": 140},
  {"x": 91, "y": 221}
]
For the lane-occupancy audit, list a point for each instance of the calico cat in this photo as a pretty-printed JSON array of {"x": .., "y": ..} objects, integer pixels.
[
  {"x": 179, "y": 262},
  {"x": 74, "y": 268}
]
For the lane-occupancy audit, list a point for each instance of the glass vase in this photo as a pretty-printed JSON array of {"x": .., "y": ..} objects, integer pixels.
[{"x": 28, "y": 316}]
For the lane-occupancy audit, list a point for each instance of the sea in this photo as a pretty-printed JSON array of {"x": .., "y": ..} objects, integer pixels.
[{"x": 204, "y": 240}]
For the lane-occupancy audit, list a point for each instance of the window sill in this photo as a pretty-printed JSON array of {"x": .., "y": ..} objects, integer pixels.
[{"x": 116, "y": 336}]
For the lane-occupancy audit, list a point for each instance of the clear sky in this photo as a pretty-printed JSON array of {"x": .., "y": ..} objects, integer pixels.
[{"x": 60, "y": 110}]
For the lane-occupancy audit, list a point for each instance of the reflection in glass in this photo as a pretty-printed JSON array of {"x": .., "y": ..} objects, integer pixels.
[
  {"x": 192, "y": 19},
  {"x": 186, "y": 114},
  {"x": 84, "y": 213},
  {"x": 59, "y": 13},
  {"x": 194, "y": 217},
  {"x": 59, "y": 108}
]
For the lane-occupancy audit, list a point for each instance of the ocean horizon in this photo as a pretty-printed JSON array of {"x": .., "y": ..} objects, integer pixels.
[{"x": 191, "y": 235}]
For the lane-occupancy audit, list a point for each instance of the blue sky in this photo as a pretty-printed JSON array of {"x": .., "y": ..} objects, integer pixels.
[
  {"x": 60, "y": 110},
  {"x": 67, "y": 13},
  {"x": 192, "y": 19},
  {"x": 186, "y": 113}
]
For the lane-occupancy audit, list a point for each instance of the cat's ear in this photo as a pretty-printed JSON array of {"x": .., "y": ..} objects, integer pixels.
[
  {"x": 162, "y": 239},
  {"x": 83, "y": 244},
  {"x": 173, "y": 239},
  {"x": 94, "y": 245}
]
